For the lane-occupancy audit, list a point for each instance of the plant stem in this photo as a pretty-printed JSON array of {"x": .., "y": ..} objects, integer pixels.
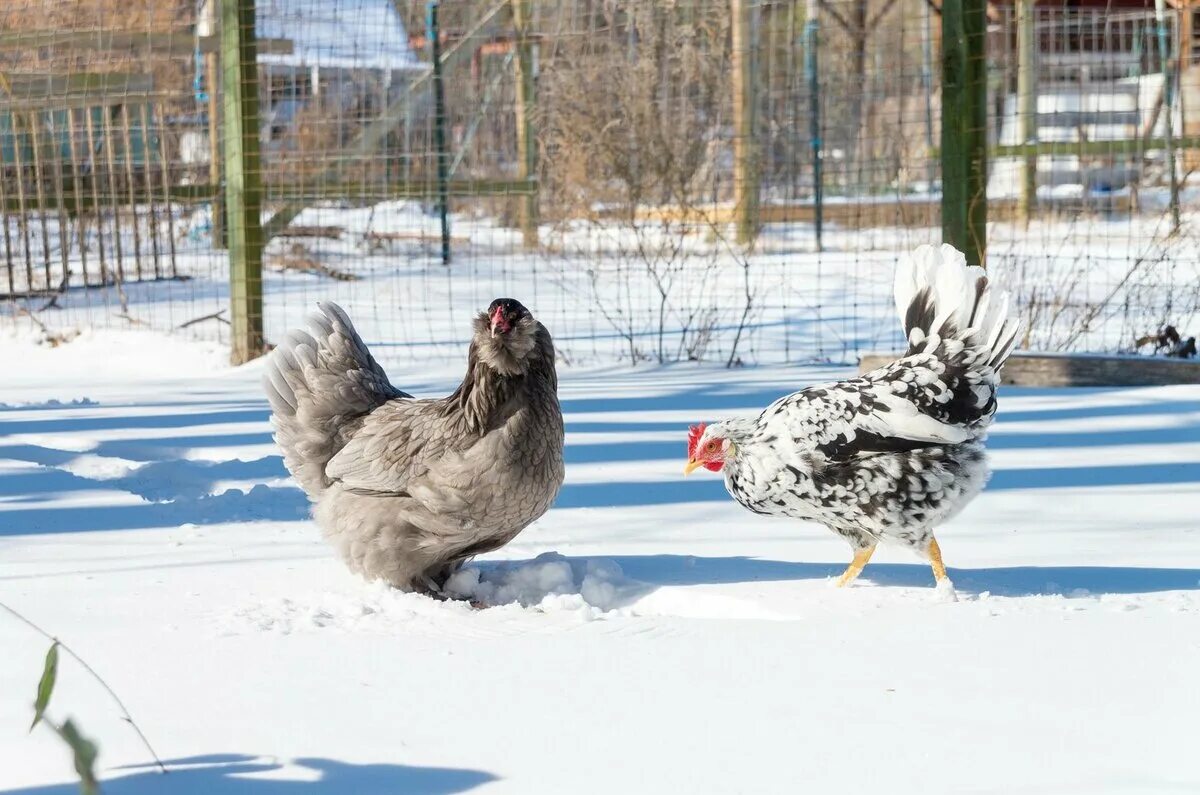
[{"x": 92, "y": 672}]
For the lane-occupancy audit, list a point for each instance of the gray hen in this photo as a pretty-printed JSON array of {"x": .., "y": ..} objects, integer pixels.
[{"x": 409, "y": 489}]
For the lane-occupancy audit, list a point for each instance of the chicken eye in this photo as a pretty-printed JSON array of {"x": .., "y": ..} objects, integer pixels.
[{"x": 711, "y": 446}]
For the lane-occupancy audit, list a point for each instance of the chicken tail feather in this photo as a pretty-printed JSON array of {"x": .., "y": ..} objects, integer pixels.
[
  {"x": 321, "y": 381},
  {"x": 951, "y": 309},
  {"x": 952, "y": 313}
]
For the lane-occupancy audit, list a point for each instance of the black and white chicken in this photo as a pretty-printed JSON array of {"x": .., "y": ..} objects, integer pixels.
[
  {"x": 408, "y": 489},
  {"x": 889, "y": 456}
]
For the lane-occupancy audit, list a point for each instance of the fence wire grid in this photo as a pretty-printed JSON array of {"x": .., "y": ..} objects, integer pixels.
[{"x": 722, "y": 180}]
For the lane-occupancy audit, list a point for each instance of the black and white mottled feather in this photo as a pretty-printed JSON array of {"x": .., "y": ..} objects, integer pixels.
[
  {"x": 890, "y": 455},
  {"x": 407, "y": 489}
]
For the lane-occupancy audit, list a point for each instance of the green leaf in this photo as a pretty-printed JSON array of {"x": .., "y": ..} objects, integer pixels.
[
  {"x": 46, "y": 685},
  {"x": 85, "y": 753}
]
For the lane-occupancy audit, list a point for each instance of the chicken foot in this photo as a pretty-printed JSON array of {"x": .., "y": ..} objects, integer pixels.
[{"x": 861, "y": 556}]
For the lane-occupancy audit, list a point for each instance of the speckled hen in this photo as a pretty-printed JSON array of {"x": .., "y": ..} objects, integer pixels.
[
  {"x": 891, "y": 455},
  {"x": 409, "y": 489}
]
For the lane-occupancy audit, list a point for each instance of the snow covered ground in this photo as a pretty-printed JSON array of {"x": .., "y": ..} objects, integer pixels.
[{"x": 652, "y": 635}]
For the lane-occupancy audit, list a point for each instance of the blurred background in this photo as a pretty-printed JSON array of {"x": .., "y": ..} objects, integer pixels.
[{"x": 717, "y": 180}]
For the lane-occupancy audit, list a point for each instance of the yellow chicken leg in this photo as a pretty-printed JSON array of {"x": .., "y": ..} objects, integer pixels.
[
  {"x": 861, "y": 556},
  {"x": 935, "y": 560}
]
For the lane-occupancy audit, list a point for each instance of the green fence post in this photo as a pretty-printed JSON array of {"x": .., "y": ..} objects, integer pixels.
[
  {"x": 243, "y": 177},
  {"x": 964, "y": 127},
  {"x": 433, "y": 33}
]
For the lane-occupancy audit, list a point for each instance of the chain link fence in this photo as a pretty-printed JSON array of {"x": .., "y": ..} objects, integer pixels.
[{"x": 721, "y": 180}]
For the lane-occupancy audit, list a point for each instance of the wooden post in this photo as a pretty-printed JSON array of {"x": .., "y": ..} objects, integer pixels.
[
  {"x": 54, "y": 151},
  {"x": 131, "y": 190},
  {"x": 113, "y": 197},
  {"x": 94, "y": 179},
  {"x": 526, "y": 134},
  {"x": 1027, "y": 105},
  {"x": 148, "y": 180},
  {"x": 1164, "y": 54},
  {"x": 745, "y": 156},
  {"x": 9, "y": 247},
  {"x": 812, "y": 78},
  {"x": 39, "y": 187},
  {"x": 164, "y": 156},
  {"x": 23, "y": 207},
  {"x": 207, "y": 26},
  {"x": 964, "y": 127},
  {"x": 77, "y": 183},
  {"x": 243, "y": 177},
  {"x": 1189, "y": 82}
]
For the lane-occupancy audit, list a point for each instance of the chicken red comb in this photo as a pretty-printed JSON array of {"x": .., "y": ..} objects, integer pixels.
[{"x": 694, "y": 434}]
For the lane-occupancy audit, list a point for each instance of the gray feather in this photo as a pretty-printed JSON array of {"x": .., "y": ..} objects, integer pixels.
[{"x": 408, "y": 489}]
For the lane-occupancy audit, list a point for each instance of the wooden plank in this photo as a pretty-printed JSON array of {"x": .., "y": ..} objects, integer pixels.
[
  {"x": 1058, "y": 370},
  {"x": 1125, "y": 146},
  {"x": 904, "y": 214},
  {"x": 76, "y": 101},
  {"x": 25, "y": 85},
  {"x": 355, "y": 191},
  {"x": 964, "y": 127},
  {"x": 1070, "y": 119},
  {"x": 320, "y": 232},
  {"x": 243, "y": 177},
  {"x": 128, "y": 42}
]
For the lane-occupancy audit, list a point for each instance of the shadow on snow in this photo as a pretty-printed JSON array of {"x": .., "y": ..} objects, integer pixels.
[{"x": 226, "y": 774}]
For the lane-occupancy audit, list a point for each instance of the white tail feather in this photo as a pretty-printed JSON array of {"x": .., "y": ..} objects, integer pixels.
[{"x": 938, "y": 297}]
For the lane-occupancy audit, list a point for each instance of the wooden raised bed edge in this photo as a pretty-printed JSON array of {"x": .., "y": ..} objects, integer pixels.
[{"x": 1057, "y": 369}]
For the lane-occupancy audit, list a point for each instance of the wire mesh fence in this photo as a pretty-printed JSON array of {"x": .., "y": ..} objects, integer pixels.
[{"x": 723, "y": 180}]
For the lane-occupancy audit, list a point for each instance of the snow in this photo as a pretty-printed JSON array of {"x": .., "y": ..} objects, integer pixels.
[
  {"x": 1093, "y": 284},
  {"x": 345, "y": 34},
  {"x": 649, "y": 634}
]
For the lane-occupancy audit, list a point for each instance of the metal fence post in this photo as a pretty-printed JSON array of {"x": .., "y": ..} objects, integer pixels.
[
  {"x": 964, "y": 127},
  {"x": 243, "y": 177},
  {"x": 433, "y": 33},
  {"x": 812, "y": 78}
]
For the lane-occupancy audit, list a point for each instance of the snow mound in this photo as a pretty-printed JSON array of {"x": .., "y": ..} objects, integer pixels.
[{"x": 549, "y": 582}]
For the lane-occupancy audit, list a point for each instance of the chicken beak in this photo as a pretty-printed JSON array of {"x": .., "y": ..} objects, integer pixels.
[
  {"x": 498, "y": 321},
  {"x": 691, "y": 466}
]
